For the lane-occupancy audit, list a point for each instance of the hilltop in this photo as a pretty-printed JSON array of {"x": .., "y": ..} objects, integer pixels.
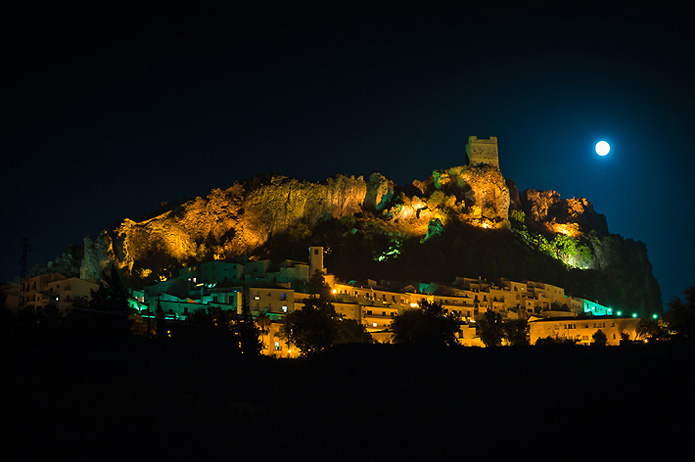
[{"x": 462, "y": 221}]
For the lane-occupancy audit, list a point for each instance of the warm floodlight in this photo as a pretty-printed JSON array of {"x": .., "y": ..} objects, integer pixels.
[{"x": 603, "y": 148}]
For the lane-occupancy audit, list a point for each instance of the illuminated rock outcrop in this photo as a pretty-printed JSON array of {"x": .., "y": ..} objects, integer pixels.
[
  {"x": 226, "y": 223},
  {"x": 571, "y": 217},
  {"x": 239, "y": 220},
  {"x": 283, "y": 203},
  {"x": 483, "y": 190},
  {"x": 379, "y": 192}
]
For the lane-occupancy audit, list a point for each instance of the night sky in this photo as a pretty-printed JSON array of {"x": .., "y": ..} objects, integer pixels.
[{"x": 106, "y": 113}]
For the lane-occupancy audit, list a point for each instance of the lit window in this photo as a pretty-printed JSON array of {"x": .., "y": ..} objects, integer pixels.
[
  {"x": 374, "y": 324},
  {"x": 284, "y": 308}
]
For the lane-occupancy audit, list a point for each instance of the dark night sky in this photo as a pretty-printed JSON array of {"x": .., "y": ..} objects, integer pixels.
[{"x": 108, "y": 112}]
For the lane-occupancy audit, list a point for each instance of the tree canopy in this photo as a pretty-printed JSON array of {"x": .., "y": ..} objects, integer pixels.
[
  {"x": 681, "y": 315},
  {"x": 599, "y": 338},
  {"x": 316, "y": 326},
  {"x": 516, "y": 331},
  {"x": 491, "y": 329},
  {"x": 651, "y": 330},
  {"x": 429, "y": 324}
]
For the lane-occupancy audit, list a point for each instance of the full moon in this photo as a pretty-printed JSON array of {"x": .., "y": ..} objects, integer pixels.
[{"x": 602, "y": 148}]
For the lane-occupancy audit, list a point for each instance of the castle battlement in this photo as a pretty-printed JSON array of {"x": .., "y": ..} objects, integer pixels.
[{"x": 482, "y": 151}]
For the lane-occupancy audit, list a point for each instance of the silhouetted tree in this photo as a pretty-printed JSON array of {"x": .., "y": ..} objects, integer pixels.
[
  {"x": 491, "y": 329},
  {"x": 680, "y": 316},
  {"x": 516, "y": 331},
  {"x": 316, "y": 327},
  {"x": 264, "y": 322},
  {"x": 599, "y": 338},
  {"x": 429, "y": 324},
  {"x": 351, "y": 331},
  {"x": 317, "y": 285},
  {"x": 652, "y": 330},
  {"x": 248, "y": 332}
]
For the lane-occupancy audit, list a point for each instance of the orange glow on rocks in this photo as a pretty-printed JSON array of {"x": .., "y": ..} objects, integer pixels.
[{"x": 568, "y": 229}]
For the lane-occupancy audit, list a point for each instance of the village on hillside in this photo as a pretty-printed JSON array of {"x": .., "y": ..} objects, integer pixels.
[{"x": 274, "y": 292}]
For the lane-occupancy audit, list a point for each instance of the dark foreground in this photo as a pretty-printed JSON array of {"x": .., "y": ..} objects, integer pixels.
[{"x": 150, "y": 401}]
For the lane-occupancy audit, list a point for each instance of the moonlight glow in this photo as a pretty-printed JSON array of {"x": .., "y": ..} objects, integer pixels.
[{"x": 602, "y": 148}]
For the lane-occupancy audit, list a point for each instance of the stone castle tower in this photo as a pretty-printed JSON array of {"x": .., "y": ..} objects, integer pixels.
[{"x": 482, "y": 151}]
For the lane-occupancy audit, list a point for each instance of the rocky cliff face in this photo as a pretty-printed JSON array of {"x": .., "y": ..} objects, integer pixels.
[
  {"x": 572, "y": 217},
  {"x": 284, "y": 203},
  {"x": 225, "y": 224},
  {"x": 241, "y": 221},
  {"x": 98, "y": 255}
]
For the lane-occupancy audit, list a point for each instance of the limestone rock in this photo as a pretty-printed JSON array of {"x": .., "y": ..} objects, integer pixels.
[
  {"x": 572, "y": 217},
  {"x": 226, "y": 223},
  {"x": 98, "y": 255},
  {"x": 285, "y": 203},
  {"x": 379, "y": 192},
  {"x": 483, "y": 191}
]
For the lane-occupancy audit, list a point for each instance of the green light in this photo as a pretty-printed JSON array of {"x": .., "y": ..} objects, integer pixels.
[
  {"x": 391, "y": 253},
  {"x": 655, "y": 316},
  {"x": 619, "y": 313},
  {"x": 634, "y": 315}
]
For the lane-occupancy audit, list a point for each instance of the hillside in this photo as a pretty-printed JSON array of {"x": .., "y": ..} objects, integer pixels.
[{"x": 461, "y": 221}]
